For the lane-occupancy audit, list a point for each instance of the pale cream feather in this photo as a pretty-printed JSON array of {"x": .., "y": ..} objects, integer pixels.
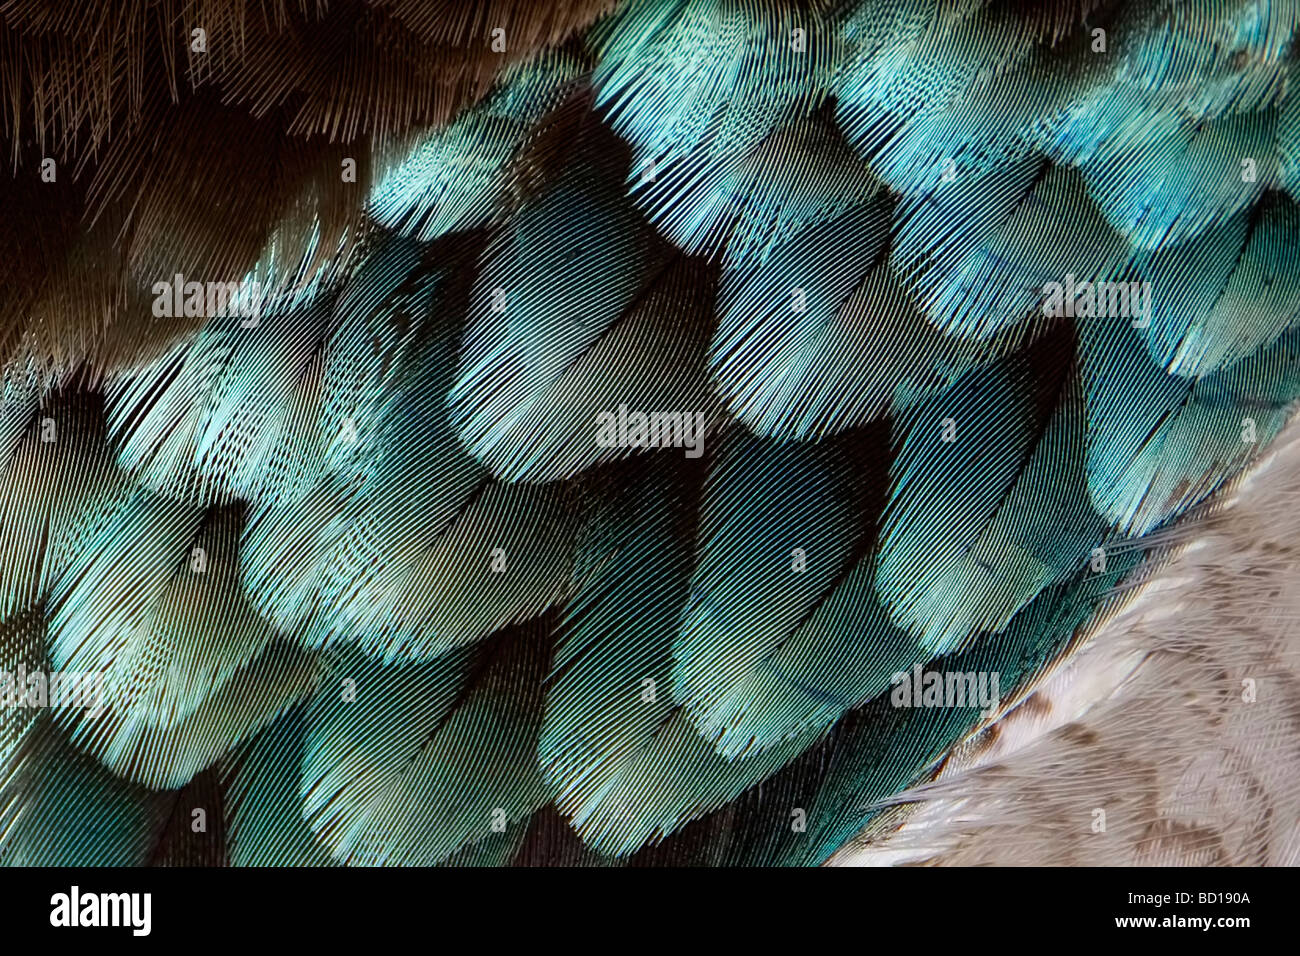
[{"x": 1178, "y": 718}]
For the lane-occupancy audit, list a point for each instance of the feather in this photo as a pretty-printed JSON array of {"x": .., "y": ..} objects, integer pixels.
[
  {"x": 456, "y": 177},
  {"x": 205, "y": 421},
  {"x": 451, "y": 740},
  {"x": 263, "y": 808},
  {"x": 184, "y": 668},
  {"x": 988, "y": 506},
  {"x": 820, "y": 338},
  {"x": 1288, "y": 144},
  {"x": 22, "y": 652},
  {"x": 620, "y": 759},
  {"x": 1171, "y": 190},
  {"x": 57, "y": 805},
  {"x": 740, "y": 205},
  {"x": 1151, "y": 71},
  {"x": 198, "y": 423},
  {"x": 651, "y": 361},
  {"x": 506, "y": 559},
  {"x": 609, "y": 690},
  {"x": 701, "y": 82},
  {"x": 164, "y": 756},
  {"x": 56, "y": 489},
  {"x": 783, "y": 632},
  {"x": 675, "y": 778},
  {"x": 541, "y": 361},
  {"x": 881, "y": 748},
  {"x": 937, "y": 88},
  {"x": 1158, "y": 443},
  {"x": 1226, "y": 294},
  {"x": 988, "y": 269},
  {"x": 1208, "y": 60}
]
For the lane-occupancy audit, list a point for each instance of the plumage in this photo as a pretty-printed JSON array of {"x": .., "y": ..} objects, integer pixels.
[
  {"x": 1221, "y": 297},
  {"x": 977, "y": 274},
  {"x": 1178, "y": 186},
  {"x": 988, "y": 505},
  {"x": 624, "y": 404},
  {"x": 754, "y": 655},
  {"x": 455, "y": 177},
  {"x": 1158, "y": 442},
  {"x": 455, "y": 738}
]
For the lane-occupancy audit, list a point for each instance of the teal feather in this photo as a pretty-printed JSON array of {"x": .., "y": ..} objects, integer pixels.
[
  {"x": 197, "y": 423},
  {"x": 778, "y": 357},
  {"x": 702, "y": 82},
  {"x": 1223, "y": 296},
  {"x": 451, "y": 740},
  {"x": 740, "y": 206},
  {"x": 1165, "y": 69},
  {"x": 908, "y": 66},
  {"x": 985, "y": 515},
  {"x": 976, "y": 95},
  {"x": 610, "y": 689},
  {"x": 987, "y": 269},
  {"x": 530, "y": 342},
  {"x": 775, "y": 641},
  {"x": 54, "y": 496},
  {"x": 507, "y": 558},
  {"x": 376, "y": 470},
  {"x": 882, "y": 748},
  {"x": 623, "y": 767},
  {"x": 401, "y": 508},
  {"x": 57, "y": 804},
  {"x": 22, "y": 645},
  {"x": 457, "y": 177},
  {"x": 263, "y": 811},
  {"x": 212, "y": 418},
  {"x": 1228, "y": 56},
  {"x": 187, "y": 669},
  {"x": 675, "y": 778},
  {"x": 1158, "y": 443},
  {"x": 775, "y": 595},
  {"x": 650, "y": 358},
  {"x": 1175, "y": 188},
  {"x": 1288, "y": 144}
]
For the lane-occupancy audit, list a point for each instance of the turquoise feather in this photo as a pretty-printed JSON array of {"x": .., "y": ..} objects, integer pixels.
[
  {"x": 1157, "y": 442},
  {"x": 1228, "y": 293},
  {"x": 977, "y": 274},
  {"x": 988, "y": 506}
]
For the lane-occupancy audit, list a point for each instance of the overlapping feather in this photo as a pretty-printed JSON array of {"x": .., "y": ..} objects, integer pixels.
[{"x": 362, "y": 581}]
